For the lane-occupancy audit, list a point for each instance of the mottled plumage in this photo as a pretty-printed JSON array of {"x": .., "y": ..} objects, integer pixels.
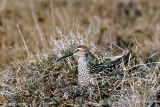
[{"x": 88, "y": 72}]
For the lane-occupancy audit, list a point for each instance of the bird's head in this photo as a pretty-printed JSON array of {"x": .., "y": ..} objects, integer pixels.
[{"x": 80, "y": 51}]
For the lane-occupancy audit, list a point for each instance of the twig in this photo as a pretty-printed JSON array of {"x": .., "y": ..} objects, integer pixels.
[
  {"x": 23, "y": 40},
  {"x": 154, "y": 54},
  {"x": 53, "y": 23},
  {"x": 110, "y": 38},
  {"x": 38, "y": 28},
  {"x": 143, "y": 65}
]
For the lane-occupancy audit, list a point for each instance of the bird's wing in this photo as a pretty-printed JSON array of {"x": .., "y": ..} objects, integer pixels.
[
  {"x": 103, "y": 68},
  {"x": 110, "y": 68}
]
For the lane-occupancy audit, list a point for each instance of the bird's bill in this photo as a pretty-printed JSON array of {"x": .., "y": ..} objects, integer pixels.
[{"x": 65, "y": 56}]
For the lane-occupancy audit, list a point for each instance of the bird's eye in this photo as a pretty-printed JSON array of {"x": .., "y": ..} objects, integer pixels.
[{"x": 77, "y": 49}]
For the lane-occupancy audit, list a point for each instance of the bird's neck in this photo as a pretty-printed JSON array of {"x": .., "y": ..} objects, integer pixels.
[
  {"x": 84, "y": 60},
  {"x": 83, "y": 70}
]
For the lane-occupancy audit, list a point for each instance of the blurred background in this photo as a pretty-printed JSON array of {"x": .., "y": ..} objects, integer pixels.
[{"x": 126, "y": 23}]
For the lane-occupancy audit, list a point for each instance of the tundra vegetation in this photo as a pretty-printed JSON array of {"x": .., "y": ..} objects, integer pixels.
[{"x": 35, "y": 33}]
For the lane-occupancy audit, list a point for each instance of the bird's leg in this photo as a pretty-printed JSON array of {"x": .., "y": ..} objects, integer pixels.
[{"x": 91, "y": 92}]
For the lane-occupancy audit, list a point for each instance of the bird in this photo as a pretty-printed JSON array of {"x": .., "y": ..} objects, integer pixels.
[{"x": 89, "y": 72}]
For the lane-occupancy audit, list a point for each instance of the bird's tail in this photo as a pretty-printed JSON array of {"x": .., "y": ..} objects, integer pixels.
[{"x": 125, "y": 59}]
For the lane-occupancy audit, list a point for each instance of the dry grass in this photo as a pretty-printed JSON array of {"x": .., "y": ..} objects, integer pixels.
[
  {"x": 53, "y": 28},
  {"x": 102, "y": 21}
]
